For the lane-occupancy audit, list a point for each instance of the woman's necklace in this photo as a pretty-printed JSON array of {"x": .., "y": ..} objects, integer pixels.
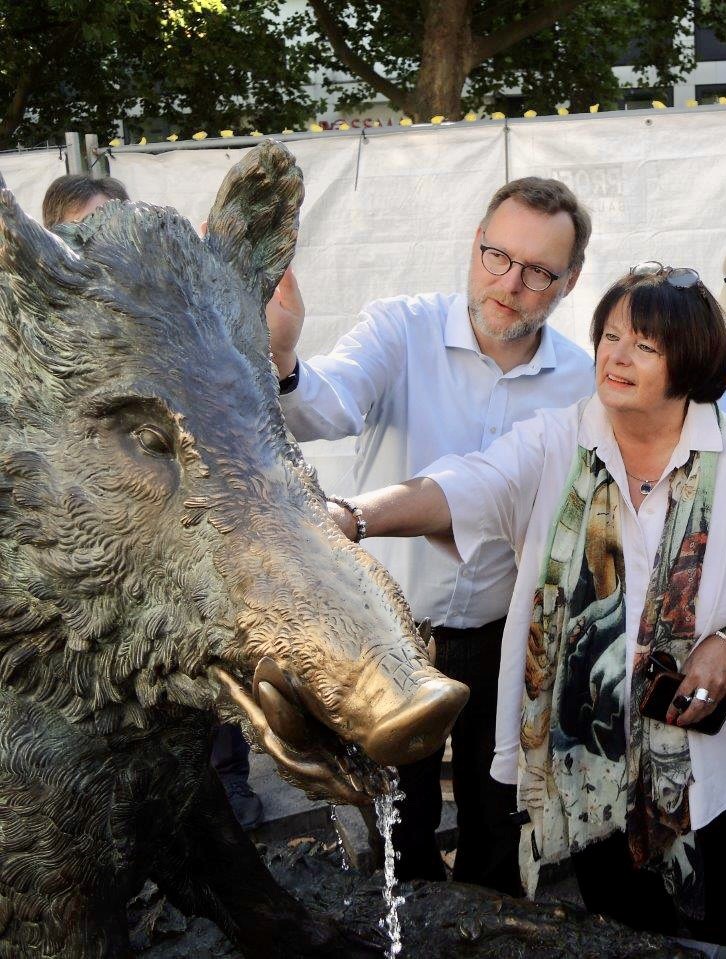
[{"x": 646, "y": 485}]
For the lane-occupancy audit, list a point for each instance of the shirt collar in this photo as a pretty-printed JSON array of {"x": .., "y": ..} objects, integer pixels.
[
  {"x": 701, "y": 431},
  {"x": 458, "y": 333},
  {"x": 457, "y": 330}
]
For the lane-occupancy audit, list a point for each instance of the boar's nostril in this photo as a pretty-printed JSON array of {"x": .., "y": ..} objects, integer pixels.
[{"x": 417, "y": 729}]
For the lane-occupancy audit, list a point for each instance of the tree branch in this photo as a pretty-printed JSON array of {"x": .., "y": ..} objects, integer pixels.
[
  {"x": 483, "y": 48},
  {"x": 355, "y": 63}
]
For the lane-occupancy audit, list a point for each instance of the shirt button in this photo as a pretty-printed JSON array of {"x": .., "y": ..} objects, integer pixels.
[{"x": 492, "y": 429}]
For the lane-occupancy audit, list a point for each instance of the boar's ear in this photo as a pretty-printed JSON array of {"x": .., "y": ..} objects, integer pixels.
[
  {"x": 38, "y": 261},
  {"x": 253, "y": 222}
]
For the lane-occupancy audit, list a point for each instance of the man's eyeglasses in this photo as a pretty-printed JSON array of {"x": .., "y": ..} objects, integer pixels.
[
  {"x": 682, "y": 277},
  {"x": 535, "y": 278}
]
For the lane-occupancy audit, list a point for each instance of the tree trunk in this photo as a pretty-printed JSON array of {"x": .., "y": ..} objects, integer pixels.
[
  {"x": 16, "y": 108},
  {"x": 445, "y": 54}
]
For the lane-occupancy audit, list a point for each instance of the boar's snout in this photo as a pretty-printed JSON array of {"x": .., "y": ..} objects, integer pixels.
[{"x": 417, "y": 728}]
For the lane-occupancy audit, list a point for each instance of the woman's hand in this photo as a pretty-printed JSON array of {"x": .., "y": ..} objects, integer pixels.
[
  {"x": 344, "y": 519},
  {"x": 705, "y": 668}
]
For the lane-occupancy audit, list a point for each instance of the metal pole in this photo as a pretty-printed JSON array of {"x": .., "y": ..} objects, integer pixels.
[
  {"x": 506, "y": 150},
  {"x": 74, "y": 159},
  {"x": 97, "y": 162}
]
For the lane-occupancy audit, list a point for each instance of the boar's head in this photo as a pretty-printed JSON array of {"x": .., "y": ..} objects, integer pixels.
[{"x": 163, "y": 546}]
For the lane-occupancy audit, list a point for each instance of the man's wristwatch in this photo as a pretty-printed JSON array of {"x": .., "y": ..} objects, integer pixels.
[{"x": 289, "y": 383}]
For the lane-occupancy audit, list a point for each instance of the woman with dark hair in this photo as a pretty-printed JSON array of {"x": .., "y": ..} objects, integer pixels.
[{"x": 616, "y": 508}]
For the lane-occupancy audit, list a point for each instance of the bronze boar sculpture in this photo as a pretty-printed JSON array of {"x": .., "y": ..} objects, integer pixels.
[{"x": 166, "y": 561}]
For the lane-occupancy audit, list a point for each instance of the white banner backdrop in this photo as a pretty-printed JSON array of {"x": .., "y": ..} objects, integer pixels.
[
  {"x": 655, "y": 185},
  {"x": 30, "y": 174}
]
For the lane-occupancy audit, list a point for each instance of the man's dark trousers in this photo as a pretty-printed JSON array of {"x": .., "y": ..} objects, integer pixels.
[{"x": 488, "y": 839}]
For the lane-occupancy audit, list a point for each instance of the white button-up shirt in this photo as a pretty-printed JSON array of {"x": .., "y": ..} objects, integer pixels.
[
  {"x": 513, "y": 491},
  {"x": 411, "y": 382}
]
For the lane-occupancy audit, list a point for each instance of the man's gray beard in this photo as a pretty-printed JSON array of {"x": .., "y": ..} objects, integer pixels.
[{"x": 527, "y": 324}]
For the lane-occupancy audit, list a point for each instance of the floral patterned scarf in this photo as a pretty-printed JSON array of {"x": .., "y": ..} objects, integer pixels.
[{"x": 578, "y": 778}]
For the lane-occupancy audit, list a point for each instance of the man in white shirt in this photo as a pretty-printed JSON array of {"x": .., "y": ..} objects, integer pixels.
[{"x": 425, "y": 376}]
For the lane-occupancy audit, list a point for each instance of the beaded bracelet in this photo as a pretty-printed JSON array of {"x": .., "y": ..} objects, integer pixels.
[{"x": 360, "y": 524}]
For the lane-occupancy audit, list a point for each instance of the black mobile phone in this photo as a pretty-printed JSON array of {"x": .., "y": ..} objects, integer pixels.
[{"x": 659, "y": 696}]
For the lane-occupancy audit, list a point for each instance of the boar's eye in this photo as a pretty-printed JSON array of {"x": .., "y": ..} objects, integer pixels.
[{"x": 153, "y": 440}]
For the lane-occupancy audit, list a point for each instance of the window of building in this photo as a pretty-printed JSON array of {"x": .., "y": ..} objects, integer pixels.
[
  {"x": 641, "y": 98},
  {"x": 708, "y": 47}
]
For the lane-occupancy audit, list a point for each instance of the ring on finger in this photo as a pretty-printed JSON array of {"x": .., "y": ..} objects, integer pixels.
[
  {"x": 682, "y": 702},
  {"x": 702, "y": 695}
]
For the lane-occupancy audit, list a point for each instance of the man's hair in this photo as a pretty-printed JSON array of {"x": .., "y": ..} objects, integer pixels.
[
  {"x": 688, "y": 324},
  {"x": 547, "y": 196},
  {"x": 74, "y": 190}
]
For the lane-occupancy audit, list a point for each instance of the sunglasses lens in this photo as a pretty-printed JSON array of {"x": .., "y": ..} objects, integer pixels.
[
  {"x": 683, "y": 278},
  {"x": 649, "y": 268}
]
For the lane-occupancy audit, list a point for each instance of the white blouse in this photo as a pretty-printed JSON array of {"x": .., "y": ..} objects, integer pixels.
[{"x": 511, "y": 492}]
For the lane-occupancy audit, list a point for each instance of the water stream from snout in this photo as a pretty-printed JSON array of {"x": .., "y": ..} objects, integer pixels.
[
  {"x": 344, "y": 861},
  {"x": 386, "y": 816}
]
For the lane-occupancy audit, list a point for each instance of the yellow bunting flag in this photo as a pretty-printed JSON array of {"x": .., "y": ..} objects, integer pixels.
[
  {"x": 470, "y": 116},
  {"x": 142, "y": 142},
  {"x": 315, "y": 128},
  {"x": 286, "y": 131},
  {"x": 405, "y": 121},
  {"x": 256, "y": 133},
  {"x": 173, "y": 137},
  {"x": 201, "y": 135},
  {"x": 722, "y": 101},
  {"x": 344, "y": 126},
  {"x": 439, "y": 118},
  {"x": 594, "y": 107},
  {"x": 115, "y": 142},
  {"x": 226, "y": 133},
  {"x": 562, "y": 111},
  {"x": 530, "y": 113},
  {"x": 691, "y": 103},
  {"x": 658, "y": 104},
  {"x": 499, "y": 115}
]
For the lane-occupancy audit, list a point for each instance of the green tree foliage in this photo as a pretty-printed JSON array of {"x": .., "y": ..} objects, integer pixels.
[
  {"x": 198, "y": 64},
  {"x": 433, "y": 57}
]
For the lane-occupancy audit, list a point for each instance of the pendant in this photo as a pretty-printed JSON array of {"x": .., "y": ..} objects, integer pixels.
[{"x": 645, "y": 487}]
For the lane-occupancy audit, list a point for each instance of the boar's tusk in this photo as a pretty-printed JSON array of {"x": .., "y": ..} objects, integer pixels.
[
  {"x": 424, "y": 630},
  {"x": 431, "y": 650},
  {"x": 269, "y": 672},
  {"x": 314, "y": 776},
  {"x": 286, "y": 721}
]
